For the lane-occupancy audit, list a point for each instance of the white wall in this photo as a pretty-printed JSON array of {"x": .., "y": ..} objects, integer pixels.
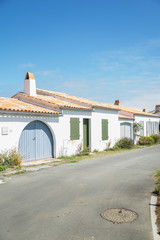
[
  {"x": 70, "y": 147},
  {"x": 139, "y": 118},
  {"x": 60, "y": 128},
  {"x": 65, "y": 146},
  {"x": 96, "y": 129},
  {"x": 12, "y": 125}
]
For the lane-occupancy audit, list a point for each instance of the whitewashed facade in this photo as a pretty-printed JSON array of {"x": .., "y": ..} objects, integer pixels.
[
  {"x": 150, "y": 124},
  {"x": 95, "y": 119},
  {"x": 12, "y": 125}
]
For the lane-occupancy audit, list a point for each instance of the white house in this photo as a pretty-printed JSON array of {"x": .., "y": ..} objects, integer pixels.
[{"x": 44, "y": 124}]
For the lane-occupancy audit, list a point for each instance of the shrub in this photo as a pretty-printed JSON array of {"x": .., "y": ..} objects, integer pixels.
[
  {"x": 156, "y": 138},
  {"x": 95, "y": 151},
  {"x": 137, "y": 127},
  {"x": 2, "y": 168},
  {"x": 124, "y": 143},
  {"x": 11, "y": 158},
  {"x": 85, "y": 151},
  {"x": 145, "y": 141}
]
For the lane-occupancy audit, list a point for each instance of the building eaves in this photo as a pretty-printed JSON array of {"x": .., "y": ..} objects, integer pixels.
[
  {"x": 15, "y": 105},
  {"x": 125, "y": 117}
]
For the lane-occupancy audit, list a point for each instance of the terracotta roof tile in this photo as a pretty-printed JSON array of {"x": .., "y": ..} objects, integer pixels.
[
  {"x": 29, "y": 76},
  {"x": 61, "y": 103},
  {"x": 93, "y": 103},
  {"x": 77, "y": 100},
  {"x": 11, "y": 104},
  {"x": 134, "y": 111},
  {"x": 126, "y": 115},
  {"x": 52, "y": 101}
]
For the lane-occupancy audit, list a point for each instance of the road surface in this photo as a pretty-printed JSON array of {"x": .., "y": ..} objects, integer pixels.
[{"x": 65, "y": 202}]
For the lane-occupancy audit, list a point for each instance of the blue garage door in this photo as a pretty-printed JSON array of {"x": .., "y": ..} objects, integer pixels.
[{"x": 36, "y": 141}]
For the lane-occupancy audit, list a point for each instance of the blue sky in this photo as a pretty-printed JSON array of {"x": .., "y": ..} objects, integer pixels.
[{"x": 97, "y": 49}]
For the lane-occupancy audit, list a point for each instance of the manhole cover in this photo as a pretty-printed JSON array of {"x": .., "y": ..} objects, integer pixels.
[{"x": 119, "y": 215}]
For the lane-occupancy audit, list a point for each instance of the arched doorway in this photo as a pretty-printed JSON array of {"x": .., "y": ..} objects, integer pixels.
[{"x": 36, "y": 141}]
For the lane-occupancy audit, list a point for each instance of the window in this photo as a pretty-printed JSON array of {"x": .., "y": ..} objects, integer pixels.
[
  {"x": 156, "y": 127},
  {"x": 125, "y": 130},
  {"x": 74, "y": 128},
  {"x": 104, "y": 129},
  {"x": 151, "y": 128},
  {"x": 142, "y": 129}
]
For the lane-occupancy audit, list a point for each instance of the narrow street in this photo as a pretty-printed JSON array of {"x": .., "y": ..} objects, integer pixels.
[{"x": 65, "y": 202}]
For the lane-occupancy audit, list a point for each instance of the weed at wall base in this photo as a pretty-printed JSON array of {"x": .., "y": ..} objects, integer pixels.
[{"x": 10, "y": 158}]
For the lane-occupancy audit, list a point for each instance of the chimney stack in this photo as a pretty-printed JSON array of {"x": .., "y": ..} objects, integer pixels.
[
  {"x": 30, "y": 84},
  {"x": 157, "y": 109},
  {"x": 116, "y": 102}
]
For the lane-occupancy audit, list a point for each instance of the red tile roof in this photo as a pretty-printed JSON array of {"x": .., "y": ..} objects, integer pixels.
[
  {"x": 92, "y": 104},
  {"x": 50, "y": 101},
  {"x": 11, "y": 104}
]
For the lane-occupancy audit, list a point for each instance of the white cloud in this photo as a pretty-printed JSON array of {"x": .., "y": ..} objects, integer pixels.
[
  {"x": 48, "y": 73},
  {"x": 27, "y": 65}
]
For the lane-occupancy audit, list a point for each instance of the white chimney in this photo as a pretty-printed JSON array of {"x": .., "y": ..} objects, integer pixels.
[{"x": 30, "y": 84}]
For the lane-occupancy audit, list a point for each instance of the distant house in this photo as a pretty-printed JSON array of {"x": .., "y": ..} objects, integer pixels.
[
  {"x": 156, "y": 110},
  {"x": 44, "y": 124}
]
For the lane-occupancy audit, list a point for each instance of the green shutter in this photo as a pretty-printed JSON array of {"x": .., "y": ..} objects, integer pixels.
[
  {"x": 104, "y": 129},
  {"x": 74, "y": 128}
]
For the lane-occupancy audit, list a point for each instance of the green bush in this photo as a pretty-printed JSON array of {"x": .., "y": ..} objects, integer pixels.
[
  {"x": 124, "y": 143},
  {"x": 2, "y": 168},
  {"x": 145, "y": 141},
  {"x": 85, "y": 152},
  {"x": 156, "y": 138},
  {"x": 11, "y": 158}
]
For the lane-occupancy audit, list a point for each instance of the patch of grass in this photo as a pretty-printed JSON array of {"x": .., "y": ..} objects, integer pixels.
[
  {"x": 95, "y": 151},
  {"x": 2, "y": 168},
  {"x": 102, "y": 154},
  {"x": 158, "y": 213},
  {"x": 156, "y": 176},
  {"x": 18, "y": 172},
  {"x": 156, "y": 191}
]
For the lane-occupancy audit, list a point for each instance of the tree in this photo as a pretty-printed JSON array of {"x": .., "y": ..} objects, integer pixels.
[{"x": 137, "y": 127}]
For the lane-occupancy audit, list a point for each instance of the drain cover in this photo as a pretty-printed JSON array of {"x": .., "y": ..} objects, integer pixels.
[{"x": 119, "y": 215}]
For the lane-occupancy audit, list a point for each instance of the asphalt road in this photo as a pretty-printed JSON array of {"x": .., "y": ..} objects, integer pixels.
[{"x": 65, "y": 202}]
